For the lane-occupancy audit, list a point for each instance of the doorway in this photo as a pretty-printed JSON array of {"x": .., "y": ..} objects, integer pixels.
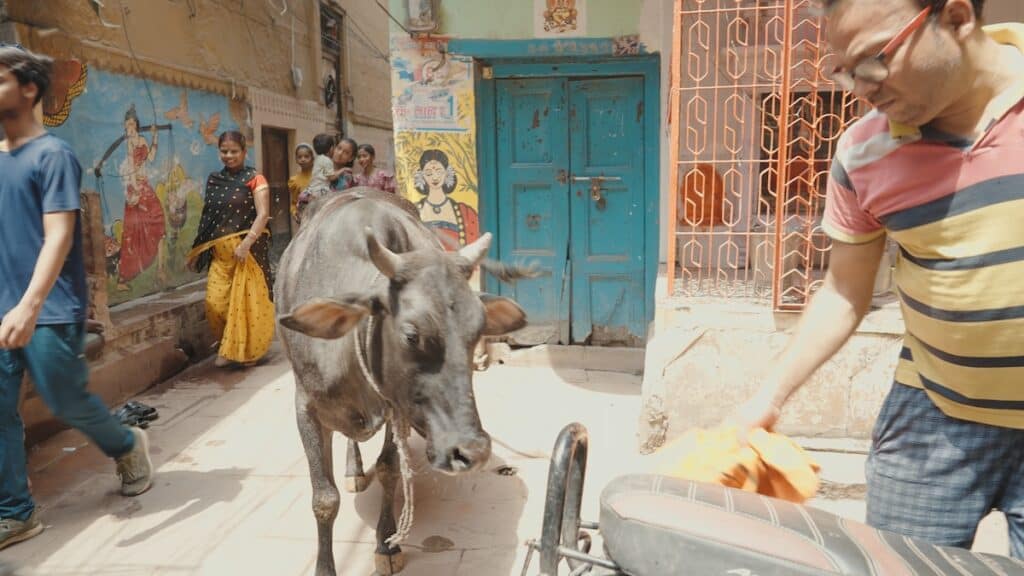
[
  {"x": 575, "y": 196},
  {"x": 276, "y": 164}
]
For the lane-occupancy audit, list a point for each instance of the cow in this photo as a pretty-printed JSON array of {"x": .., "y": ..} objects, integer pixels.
[{"x": 380, "y": 323}]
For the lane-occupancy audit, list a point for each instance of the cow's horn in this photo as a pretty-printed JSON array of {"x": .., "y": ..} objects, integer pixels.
[
  {"x": 385, "y": 260},
  {"x": 476, "y": 251}
]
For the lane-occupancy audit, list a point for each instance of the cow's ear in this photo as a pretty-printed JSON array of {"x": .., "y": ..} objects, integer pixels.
[
  {"x": 503, "y": 315},
  {"x": 325, "y": 318}
]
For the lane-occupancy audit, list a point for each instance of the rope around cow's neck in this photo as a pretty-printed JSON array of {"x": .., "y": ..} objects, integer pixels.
[{"x": 400, "y": 435}]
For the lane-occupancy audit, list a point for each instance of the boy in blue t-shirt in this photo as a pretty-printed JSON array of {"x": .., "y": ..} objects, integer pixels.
[{"x": 43, "y": 297}]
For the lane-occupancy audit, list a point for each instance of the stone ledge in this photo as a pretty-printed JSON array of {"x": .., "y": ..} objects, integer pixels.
[
  {"x": 151, "y": 339},
  {"x": 705, "y": 356}
]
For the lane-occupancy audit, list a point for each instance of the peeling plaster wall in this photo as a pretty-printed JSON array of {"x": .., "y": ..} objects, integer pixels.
[
  {"x": 707, "y": 355},
  {"x": 1004, "y": 11}
]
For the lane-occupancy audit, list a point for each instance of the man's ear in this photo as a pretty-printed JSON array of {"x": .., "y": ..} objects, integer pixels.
[{"x": 959, "y": 15}]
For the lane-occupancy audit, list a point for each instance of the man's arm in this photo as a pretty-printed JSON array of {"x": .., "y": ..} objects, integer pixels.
[
  {"x": 828, "y": 322},
  {"x": 59, "y": 234}
]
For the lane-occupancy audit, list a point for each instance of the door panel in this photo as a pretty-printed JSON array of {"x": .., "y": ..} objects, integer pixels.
[
  {"x": 533, "y": 201},
  {"x": 276, "y": 162},
  {"x": 607, "y": 140},
  {"x": 554, "y": 136}
]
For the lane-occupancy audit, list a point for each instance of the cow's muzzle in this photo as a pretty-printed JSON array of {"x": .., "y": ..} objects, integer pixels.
[{"x": 465, "y": 456}]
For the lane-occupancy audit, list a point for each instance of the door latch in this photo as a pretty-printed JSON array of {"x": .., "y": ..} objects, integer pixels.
[{"x": 596, "y": 183}]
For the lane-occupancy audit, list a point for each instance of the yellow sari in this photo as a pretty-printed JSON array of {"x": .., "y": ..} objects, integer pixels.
[{"x": 239, "y": 306}]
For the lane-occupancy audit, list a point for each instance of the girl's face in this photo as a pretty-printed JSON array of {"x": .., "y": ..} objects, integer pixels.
[
  {"x": 304, "y": 158},
  {"x": 131, "y": 127},
  {"x": 434, "y": 173},
  {"x": 343, "y": 153},
  {"x": 365, "y": 159},
  {"x": 232, "y": 154}
]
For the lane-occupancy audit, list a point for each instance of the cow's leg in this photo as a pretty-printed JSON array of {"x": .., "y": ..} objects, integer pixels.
[
  {"x": 316, "y": 439},
  {"x": 388, "y": 560},
  {"x": 355, "y": 478}
]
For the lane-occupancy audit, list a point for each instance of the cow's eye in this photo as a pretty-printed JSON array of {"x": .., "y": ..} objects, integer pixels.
[{"x": 411, "y": 336}]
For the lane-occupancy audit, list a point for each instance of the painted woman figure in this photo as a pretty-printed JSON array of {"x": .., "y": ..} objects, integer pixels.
[
  {"x": 233, "y": 242},
  {"x": 436, "y": 180},
  {"x": 144, "y": 229}
]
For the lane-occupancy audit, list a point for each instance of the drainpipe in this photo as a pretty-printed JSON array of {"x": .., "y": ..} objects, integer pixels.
[{"x": 8, "y": 33}]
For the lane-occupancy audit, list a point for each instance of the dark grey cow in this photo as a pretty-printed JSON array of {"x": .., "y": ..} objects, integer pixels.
[{"x": 364, "y": 262}]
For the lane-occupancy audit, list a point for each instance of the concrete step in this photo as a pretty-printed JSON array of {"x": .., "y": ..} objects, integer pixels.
[{"x": 596, "y": 358}]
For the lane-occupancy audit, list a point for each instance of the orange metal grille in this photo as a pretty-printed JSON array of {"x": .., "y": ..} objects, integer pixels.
[{"x": 754, "y": 124}]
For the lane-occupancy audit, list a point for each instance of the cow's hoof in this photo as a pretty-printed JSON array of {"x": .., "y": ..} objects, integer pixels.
[
  {"x": 356, "y": 484},
  {"x": 387, "y": 565}
]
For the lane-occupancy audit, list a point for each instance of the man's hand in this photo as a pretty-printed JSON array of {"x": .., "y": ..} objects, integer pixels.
[
  {"x": 17, "y": 327},
  {"x": 760, "y": 411}
]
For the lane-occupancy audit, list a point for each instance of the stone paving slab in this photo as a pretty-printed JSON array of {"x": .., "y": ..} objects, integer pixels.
[{"x": 232, "y": 494}]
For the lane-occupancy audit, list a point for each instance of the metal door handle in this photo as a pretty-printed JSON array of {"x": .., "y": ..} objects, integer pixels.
[{"x": 589, "y": 178}]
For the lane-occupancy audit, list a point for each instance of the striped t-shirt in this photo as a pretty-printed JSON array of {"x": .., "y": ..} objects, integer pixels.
[{"x": 956, "y": 209}]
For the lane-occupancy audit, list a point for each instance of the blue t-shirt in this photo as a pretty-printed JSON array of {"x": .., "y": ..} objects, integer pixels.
[{"x": 41, "y": 176}]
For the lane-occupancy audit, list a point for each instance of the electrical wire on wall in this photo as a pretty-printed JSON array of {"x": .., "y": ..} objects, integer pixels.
[
  {"x": 284, "y": 10},
  {"x": 393, "y": 19},
  {"x": 364, "y": 38},
  {"x": 97, "y": 169}
]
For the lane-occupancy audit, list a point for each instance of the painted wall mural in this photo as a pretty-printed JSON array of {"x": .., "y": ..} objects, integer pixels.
[
  {"x": 435, "y": 136},
  {"x": 438, "y": 173},
  {"x": 147, "y": 148},
  {"x": 559, "y": 18}
]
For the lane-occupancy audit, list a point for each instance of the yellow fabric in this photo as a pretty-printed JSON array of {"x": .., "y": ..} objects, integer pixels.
[
  {"x": 771, "y": 464},
  {"x": 976, "y": 232},
  {"x": 1010, "y": 33},
  {"x": 296, "y": 184},
  {"x": 238, "y": 305}
]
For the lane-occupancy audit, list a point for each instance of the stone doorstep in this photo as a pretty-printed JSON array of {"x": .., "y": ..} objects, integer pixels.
[
  {"x": 145, "y": 347},
  {"x": 595, "y": 358}
]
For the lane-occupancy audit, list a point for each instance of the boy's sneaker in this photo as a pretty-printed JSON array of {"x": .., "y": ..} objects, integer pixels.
[
  {"x": 135, "y": 468},
  {"x": 14, "y": 531}
]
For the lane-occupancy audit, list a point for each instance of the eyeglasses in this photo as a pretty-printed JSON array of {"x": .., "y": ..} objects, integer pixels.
[{"x": 875, "y": 69}]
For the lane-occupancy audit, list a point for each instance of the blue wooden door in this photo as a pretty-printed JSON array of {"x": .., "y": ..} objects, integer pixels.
[
  {"x": 570, "y": 199},
  {"x": 533, "y": 200},
  {"x": 606, "y": 207}
]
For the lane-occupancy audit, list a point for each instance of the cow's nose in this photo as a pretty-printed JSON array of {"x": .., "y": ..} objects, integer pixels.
[{"x": 468, "y": 455}]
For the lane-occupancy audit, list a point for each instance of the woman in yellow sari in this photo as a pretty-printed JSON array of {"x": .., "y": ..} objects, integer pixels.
[{"x": 233, "y": 243}]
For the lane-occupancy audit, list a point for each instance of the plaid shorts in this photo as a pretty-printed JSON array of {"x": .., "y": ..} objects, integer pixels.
[{"x": 934, "y": 477}]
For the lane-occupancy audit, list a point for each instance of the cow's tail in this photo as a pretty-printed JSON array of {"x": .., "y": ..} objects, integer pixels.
[
  {"x": 504, "y": 272},
  {"x": 509, "y": 272}
]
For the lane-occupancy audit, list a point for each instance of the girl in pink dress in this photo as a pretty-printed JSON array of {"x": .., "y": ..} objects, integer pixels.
[{"x": 371, "y": 176}]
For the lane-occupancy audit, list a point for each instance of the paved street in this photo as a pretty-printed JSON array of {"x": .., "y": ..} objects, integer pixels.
[{"x": 232, "y": 494}]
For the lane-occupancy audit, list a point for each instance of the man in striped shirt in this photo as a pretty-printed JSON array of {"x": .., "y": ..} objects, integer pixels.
[{"x": 938, "y": 166}]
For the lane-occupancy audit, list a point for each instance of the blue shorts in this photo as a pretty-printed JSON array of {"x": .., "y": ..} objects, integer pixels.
[{"x": 934, "y": 477}]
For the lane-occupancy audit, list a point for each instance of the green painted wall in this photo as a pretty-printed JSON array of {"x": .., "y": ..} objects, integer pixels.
[{"x": 513, "y": 19}]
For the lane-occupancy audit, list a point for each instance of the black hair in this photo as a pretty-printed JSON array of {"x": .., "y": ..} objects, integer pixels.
[
  {"x": 355, "y": 146},
  {"x": 936, "y": 5},
  {"x": 231, "y": 136},
  {"x": 435, "y": 155},
  {"x": 131, "y": 114},
  {"x": 322, "y": 143},
  {"x": 368, "y": 148},
  {"x": 347, "y": 140},
  {"x": 27, "y": 67}
]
